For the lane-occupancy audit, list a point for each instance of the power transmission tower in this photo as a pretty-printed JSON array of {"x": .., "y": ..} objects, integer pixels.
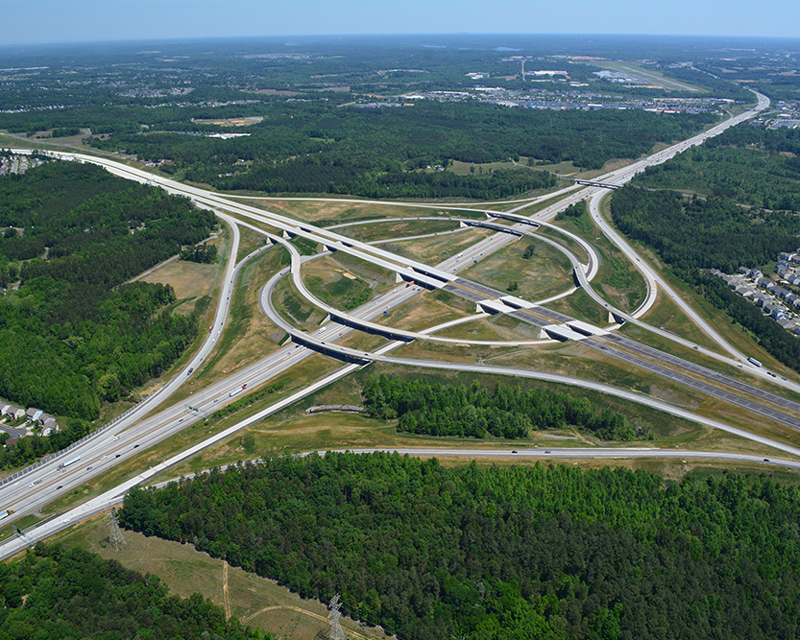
[
  {"x": 335, "y": 631},
  {"x": 115, "y": 537}
]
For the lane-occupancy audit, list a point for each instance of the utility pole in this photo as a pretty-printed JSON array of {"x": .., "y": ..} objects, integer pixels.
[
  {"x": 335, "y": 631},
  {"x": 115, "y": 537}
]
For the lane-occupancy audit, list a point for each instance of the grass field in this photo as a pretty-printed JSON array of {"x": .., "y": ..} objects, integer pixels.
[
  {"x": 256, "y": 601},
  {"x": 396, "y": 228},
  {"x": 438, "y": 248},
  {"x": 546, "y": 273},
  {"x": 617, "y": 280}
]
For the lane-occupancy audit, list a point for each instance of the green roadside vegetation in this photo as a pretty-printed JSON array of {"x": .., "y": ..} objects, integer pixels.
[
  {"x": 76, "y": 340},
  {"x": 731, "y": 225},
  {"x": 578, "y": 360},
  {"x": 398, "y": 228},
  {"x": 617, "y": 280},
  {"x": 438, "y": 248}
]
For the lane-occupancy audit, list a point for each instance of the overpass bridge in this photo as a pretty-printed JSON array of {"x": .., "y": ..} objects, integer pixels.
[{"x": 602, "y": 185}]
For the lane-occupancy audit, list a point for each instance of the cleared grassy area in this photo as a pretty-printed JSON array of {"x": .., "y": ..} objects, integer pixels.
[
  {"x": 329, "y": 281},
  {"x": 437, "y": 249},
  {"x": 467, "y": 168},
  {"x": 560, "y": 169},
  {"x": 617, "y": 280},
  {"x": 294, "y": 307},
  {"x": 544, "y": 274},
  {"x": 378, "y": 278},
  {"x": 257, "y": 602},
  {"x": 397, "y": 228},
  {"x": 425, "y": 310},
  {"x": 329, "y": 212},
  {"x": 248, "y": 335},
  {"x": 666, "y": 315},
  {"x": 190, "y": 281},
  {"x": 565, "y": 241},
  {"x": 249, "y": 241},
  {"x": 497, "y": 327},
  {"x": 581, "y": 307}
]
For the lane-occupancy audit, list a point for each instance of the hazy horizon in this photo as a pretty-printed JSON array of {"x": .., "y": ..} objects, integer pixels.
[{"x": 31, "y": 22}]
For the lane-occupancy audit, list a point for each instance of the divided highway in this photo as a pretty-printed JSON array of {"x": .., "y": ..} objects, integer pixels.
[{"x": 99, "y": 453}]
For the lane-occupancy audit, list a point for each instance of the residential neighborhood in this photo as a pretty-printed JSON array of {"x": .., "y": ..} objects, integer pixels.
[
  {"x": 18, "y": 422},
  {"x": 777, "y": 295}
]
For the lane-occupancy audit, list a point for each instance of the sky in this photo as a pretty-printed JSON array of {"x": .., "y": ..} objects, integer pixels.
[{"x": 51, "y": 21}]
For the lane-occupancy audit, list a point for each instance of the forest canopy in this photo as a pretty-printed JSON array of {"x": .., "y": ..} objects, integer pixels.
[
  {"x": 437, "y": 409},
  {"x": 70, "y": 336},
  {"x": 55, "y": 593},
  {"x": 523, "y": 552}
]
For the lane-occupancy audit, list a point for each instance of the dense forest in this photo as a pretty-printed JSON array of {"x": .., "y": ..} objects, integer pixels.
[
  {"x": 743, "y": 211},
  {"x": 70, "y": 336},
  {"x": 752, "y": 166},
  {"x": 54, "y": 594},
  {"x": 486, "y": 553},
  {"x": 703, "y": 233},
  {"x": 384, "y": 152},
  {"x": 437, "y": 409}
]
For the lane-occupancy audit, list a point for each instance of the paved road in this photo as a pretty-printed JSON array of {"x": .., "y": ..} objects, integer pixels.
[
  {"x": 158, "y": 430},
  {"x": 114, "y": 497}
]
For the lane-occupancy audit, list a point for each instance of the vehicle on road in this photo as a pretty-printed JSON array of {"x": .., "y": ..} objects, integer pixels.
[
  {"x": 6, "y": 513},
  {"x": 243, "y": 387},
  {"x": 66, "y": 463},
  {"x": 754, "y": 361}
]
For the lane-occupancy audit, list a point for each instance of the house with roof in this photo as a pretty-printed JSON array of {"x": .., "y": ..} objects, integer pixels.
[
  {"x": 33, "y": 414},
  {"x": 15, "y": 412}
]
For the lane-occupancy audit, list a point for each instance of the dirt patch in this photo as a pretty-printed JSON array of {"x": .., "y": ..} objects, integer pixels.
[{"x": 189, "y": 279}]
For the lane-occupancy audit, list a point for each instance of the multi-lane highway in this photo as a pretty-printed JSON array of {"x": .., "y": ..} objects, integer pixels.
[{"x": 100, "y": 452}]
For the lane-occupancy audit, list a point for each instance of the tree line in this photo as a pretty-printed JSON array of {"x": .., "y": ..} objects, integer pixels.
[
  {"x": 548, "y": 552},
  {"x": 316, "y": 147},
  {"x": 703, "y": 233},
  {"x": 55, "y": 593},
  {"x": 72, "y": 335},
  {"x": 748, "y": 215},
  {"x": 437, "y": 409}
]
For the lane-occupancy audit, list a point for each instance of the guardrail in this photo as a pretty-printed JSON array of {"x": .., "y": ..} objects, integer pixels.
[{"x": 77, "y": 443}]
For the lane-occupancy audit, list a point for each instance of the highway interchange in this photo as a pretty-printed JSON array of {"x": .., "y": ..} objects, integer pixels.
[{"x": 30, "y": 491}]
